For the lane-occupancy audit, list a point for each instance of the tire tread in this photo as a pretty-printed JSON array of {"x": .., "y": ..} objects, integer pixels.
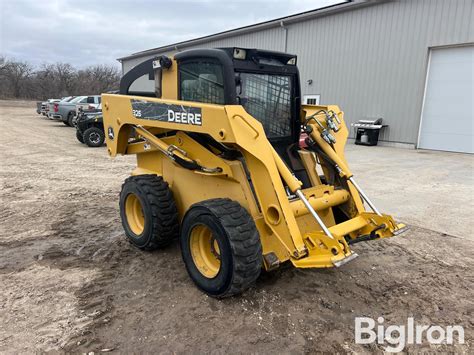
[
  {"x": 244, "y": 240},
  {"x": 165, "y": 217}
]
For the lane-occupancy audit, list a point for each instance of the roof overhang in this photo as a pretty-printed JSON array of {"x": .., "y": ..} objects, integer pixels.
[{"x": 279, "y": 22}]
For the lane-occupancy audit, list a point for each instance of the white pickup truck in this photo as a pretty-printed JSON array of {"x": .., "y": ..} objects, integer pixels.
[
  {"x": 90, "y": 103},
  {"x": 45, "y": 106}
]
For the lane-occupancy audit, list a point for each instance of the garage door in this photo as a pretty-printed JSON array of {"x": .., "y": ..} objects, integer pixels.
[{"x": 448, "y": 111}]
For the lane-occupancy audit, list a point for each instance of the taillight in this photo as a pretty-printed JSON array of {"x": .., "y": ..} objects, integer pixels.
[{"x": 56, "y": 107}]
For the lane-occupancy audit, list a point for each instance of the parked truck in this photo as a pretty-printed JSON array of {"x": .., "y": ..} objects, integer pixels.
[
  {"x": 65, "y": 111},
  {"x": 44, "y": 109},
  {"x": 91, "y": 103}
]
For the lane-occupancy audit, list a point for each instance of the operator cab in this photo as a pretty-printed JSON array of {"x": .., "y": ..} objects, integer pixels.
[{"x": 265, "y": 83}]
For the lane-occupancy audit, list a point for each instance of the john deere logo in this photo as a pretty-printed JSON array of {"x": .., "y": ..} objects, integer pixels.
[{"x": 184, "y": 117}]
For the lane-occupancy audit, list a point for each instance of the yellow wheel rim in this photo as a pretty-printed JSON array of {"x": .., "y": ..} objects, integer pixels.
[
  {"x": 134, "y": 214},
  {"x": 205, "y": 251}
]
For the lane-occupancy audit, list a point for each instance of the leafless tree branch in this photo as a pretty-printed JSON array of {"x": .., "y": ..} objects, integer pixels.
[{"x": 20, "y": 79}]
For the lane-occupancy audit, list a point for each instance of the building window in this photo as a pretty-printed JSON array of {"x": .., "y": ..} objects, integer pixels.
[
  {"x": 201, "y": 81},
  {"x": 311, "y": 99}
]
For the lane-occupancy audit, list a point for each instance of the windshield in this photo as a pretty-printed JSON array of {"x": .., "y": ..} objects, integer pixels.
[
  {"x": 76, "y": 99},
  {"x": 202, "y": 82},
  {"x": 267, "y": 97}
]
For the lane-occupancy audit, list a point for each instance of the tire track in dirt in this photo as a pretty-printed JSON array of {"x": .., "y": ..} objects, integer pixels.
[{"x": 71, "y": 282}]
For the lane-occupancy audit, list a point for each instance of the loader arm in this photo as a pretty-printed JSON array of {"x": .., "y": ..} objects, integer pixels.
[{"x": 231, "y": 125}]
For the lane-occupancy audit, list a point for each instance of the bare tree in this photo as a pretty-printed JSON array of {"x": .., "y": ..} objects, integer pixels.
[
  {"x": 16, "y": 75},
  {"x": 19, "y": 80},
  {"x": 45, "y": 84},
  {"x": 3, "y": 82},
  {"x": 65, "y": 75},
  {"x": 98, "y": 79}
]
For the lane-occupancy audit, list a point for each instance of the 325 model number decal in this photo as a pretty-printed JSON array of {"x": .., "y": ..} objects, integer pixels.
[{"x": 137, "y": 113}]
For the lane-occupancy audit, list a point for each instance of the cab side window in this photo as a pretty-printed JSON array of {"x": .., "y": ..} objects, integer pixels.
[{"x": 201, "y": 81}]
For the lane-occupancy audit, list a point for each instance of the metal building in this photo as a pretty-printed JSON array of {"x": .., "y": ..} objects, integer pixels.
[{"x": 410, "y": 62}]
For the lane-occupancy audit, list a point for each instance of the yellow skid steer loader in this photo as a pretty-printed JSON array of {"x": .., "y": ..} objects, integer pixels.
[{"x": 230, "y": 162}]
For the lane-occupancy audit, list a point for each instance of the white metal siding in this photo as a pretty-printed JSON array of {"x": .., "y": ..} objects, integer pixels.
[
  {"x": 272, "y": 39},
  {"x": 448, "y": 112},
  {"x": 372, "y": 60}
]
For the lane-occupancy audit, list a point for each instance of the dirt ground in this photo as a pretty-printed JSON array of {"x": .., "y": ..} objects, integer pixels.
[{"x": 71, "y": 282}]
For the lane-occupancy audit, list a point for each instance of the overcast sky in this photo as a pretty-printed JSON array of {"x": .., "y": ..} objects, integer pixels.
[{"x": 85, "y": 32}]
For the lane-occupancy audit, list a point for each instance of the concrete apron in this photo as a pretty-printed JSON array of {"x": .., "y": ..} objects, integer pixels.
[{"x": 429, "y": 189}]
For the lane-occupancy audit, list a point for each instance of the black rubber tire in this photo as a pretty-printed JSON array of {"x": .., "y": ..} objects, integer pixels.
[
  {"x": 91, "y": 132},
  {"x": 79, "y": 136},
  {"x": 65, "y": 123},
  {"x": 238, "y": 241},
  {"x": 70, "y": 119},
  {"x": 161, "y": 224}
]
